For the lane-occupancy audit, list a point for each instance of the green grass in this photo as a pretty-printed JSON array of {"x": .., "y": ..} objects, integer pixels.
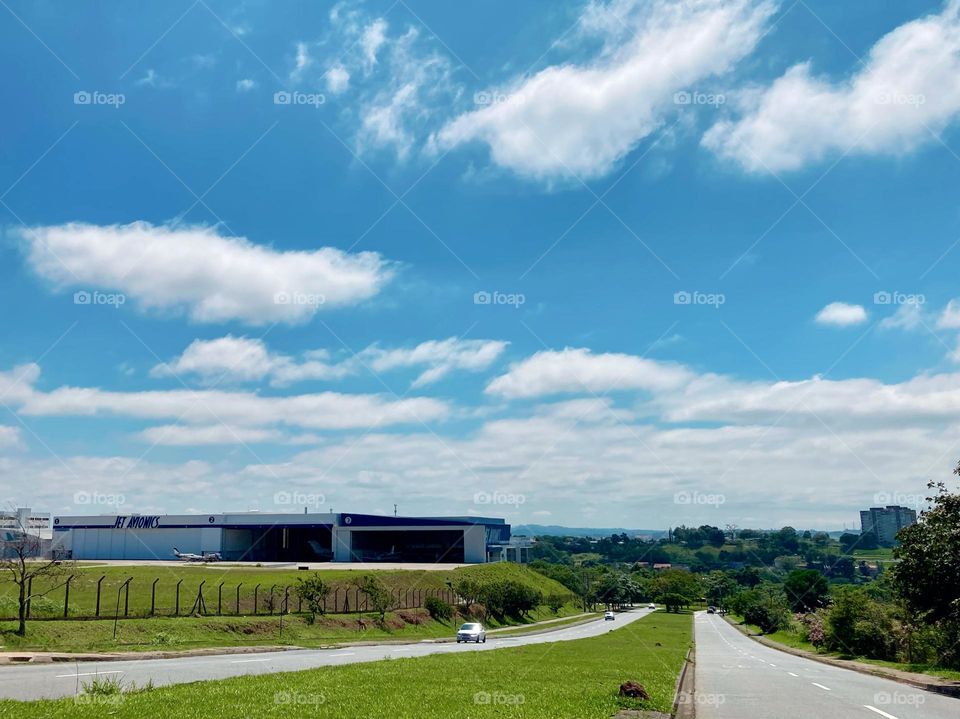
[
  {"x": 142, "y": 633},
  {"x": 83, "y": 588},
  {"x": 569, "y": 680},
  {"x": 175, "y": 633}
]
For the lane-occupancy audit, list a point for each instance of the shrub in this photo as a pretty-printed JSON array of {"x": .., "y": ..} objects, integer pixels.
[
  {"x": 860, "y": 626},
  {"x": 439, "y": 609},
  {"x": 555, "y": 602}
]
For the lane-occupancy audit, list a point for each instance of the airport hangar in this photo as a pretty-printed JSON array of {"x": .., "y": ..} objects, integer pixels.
[{"x": 269, "y": 537}]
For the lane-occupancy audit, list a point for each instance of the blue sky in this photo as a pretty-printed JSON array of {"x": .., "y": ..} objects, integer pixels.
[{"x": 632, "y": 263}]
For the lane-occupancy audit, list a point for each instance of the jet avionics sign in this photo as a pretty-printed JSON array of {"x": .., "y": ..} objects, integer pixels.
[{"x": 137, "y": 522}]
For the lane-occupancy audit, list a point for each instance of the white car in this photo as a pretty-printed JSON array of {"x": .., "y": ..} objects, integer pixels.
[
  {"x": 472, "y": 632},
  {"x": 609, "y": 616},
  {"x": 651, "y": 605}
]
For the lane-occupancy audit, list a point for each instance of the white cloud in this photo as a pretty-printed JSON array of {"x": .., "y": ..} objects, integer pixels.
[
  {"x": 373, "y": 38},
  {"x": 581, "y": 119},
  {"x": 580, "y": 371},
  {"x": 441, "y": 357},
  {"x": 909, "y": 316},
  {"x": 907, "y": 91},
  {"x": 338, "y": 79},
  {"x": 10, "y": 437},
  {"x": 841, "y": 314},
  {"x": 243, "y": 359},
  {"x": 950, "y": 317},
  {"x": 174, "y": 435},
  {"x": 213, "y": 277},
  {"x": 246, "y": 85},
  {"x": 302, "y": 61}
]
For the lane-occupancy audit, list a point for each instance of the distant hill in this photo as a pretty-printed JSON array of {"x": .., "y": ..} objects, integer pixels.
[{"x": 534, "y": 530}]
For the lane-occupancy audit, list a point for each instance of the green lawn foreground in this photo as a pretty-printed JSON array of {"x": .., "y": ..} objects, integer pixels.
[{"x": 560, "y": 680}]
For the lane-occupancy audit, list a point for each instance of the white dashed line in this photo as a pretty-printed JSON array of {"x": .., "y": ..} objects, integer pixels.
[
  {"x": 86, "y": 674},
  {"x": 792, "y": 674},
  {"x": 881, "y": 713},
  {"x": 826, "y": 689},
  {"x": 772, "y": 665},
  {"x": 344, "y": 654},
  {"x": 249, "y": 661}
]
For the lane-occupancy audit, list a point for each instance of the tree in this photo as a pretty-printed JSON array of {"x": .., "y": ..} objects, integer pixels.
[
  {"x": 927, "y": 577},
  {"x": 806, "y": 589},
  {"x": 859, "y": 626},
  {"x": 314, "y": 591},
  {"x": 765, "y": 607},
  {"x": 22, "y": 559},
  {"x": 718, "y": 587},
  {"x": 675, "y": 583},
  {"x": 377, "y": 594}
]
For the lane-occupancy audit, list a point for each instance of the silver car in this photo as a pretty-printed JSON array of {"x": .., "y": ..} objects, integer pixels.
[{"x": 471, "y": 632}]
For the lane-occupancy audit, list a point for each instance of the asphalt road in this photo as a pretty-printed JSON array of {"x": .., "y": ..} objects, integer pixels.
[
  {"x": 738, "y": 678},
  {"x": 58, "y": 680}
]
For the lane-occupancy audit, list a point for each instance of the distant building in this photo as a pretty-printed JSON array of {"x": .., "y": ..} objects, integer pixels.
[{"x": 884, "y": 522}]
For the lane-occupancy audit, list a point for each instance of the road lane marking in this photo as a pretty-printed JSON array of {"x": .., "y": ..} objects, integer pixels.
[
  {"x": 827, "y": 689},
  {"x": 772, "y": 665},
  {"x": 86, "y": 674},
  {"x": 249, "y": 661},
  {"x": 792, "y": 674},
  {"x": 881, "y": 713},
  {"x": 344, "y": 654}
]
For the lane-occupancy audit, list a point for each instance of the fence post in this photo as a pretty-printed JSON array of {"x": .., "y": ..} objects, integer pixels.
[
  {"x": 238, "y": 598},
  {"x": 176, "y": 612},
  {"x": 219, "y": 598},
  {"x": 256, "y": 603},
  {"x": 99, "y": 582},
  {"x": 286, "y": 601},
  {"x": 126, "y": 598},
  {"x": 270, "y": 603},
  {"x": 66, "y": 598},
  {"x": 153, "y": 596}
]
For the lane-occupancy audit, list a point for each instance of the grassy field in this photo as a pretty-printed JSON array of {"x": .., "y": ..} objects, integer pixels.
[
  {"x": 573, "y": 680},
  {"x": 188, "y": 632},
  {"x": 175, "y": 633},
  {"x": 83, "y": 587}
]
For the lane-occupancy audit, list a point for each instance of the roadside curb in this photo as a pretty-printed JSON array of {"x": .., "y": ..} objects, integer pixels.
[
  {"x": 945, "y": 686},
  {"x": 684, "y": 705},
  {"x": 20, "y": 658}
]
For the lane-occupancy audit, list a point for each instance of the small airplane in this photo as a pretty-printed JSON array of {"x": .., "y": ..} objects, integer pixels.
[{"x": 190, "y": 557}]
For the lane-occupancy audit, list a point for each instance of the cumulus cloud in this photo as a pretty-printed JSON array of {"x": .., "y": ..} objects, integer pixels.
[
  {"x": 174, "y": 435},
  {"x": 338, "y": 79},
  {"x": 581, "y": 371},
  {"x": 246, "y": 85},
  {"x": 246, "y": 359},
  {"x": 214, "y": 278},
  {"x": 950, "y": 317},
  {"x": 841, "y": 314},
  {"x": 907, "y": 90},
  {"x": 440, "y": 356},
  {"x": 580, "y": 119}
]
